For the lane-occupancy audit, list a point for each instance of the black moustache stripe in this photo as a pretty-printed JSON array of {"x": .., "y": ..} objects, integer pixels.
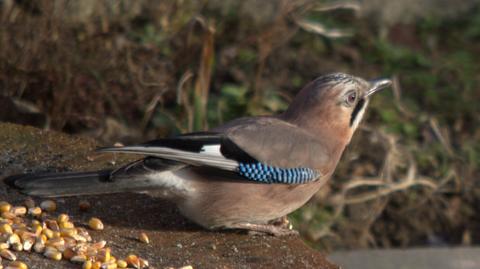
[{"x": 357, "y": 109}]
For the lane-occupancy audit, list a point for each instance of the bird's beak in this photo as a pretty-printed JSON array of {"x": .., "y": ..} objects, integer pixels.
[{"x": 377, "y": 85}]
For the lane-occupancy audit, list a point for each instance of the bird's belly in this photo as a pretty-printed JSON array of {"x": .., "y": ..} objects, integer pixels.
[{"x": 221, "y": 204}]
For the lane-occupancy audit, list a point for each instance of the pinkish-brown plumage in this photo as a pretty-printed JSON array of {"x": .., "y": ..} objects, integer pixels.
[{"x": 200, "y": 173}]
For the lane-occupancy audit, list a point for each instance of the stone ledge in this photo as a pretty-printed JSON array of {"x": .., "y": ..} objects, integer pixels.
[{"x": 174, "y": 241}]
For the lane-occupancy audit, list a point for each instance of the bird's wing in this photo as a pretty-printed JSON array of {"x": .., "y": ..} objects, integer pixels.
[
  {"x": 261, "y": 149},
  {"x": 199, "y": 149}
]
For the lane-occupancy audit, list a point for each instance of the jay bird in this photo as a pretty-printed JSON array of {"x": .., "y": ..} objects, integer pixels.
[{"x": 244, "y": 174}]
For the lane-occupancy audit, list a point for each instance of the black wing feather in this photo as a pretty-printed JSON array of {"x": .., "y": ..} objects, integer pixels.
[{"x": 192, "y": 142}]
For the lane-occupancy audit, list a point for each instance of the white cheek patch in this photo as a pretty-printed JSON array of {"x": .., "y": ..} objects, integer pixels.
[{"x": 359, "y": 115}]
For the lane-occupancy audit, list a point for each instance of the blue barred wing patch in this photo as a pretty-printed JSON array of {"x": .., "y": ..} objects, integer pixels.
[{"x": 270, "y": 174}]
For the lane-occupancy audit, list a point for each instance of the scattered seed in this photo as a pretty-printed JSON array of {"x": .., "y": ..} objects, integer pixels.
[
  {"x": 95, "y": 224},
  {"x": 13, "y": 239},
  {"x": 104, "y": 255},
  {"x": 19, "y": 210},
  {"x": 28, "y": 243},
  {"x": 29, "y": 202},
  {"x": 53, "y": 225},
  {"x": 17, "y": 246},
  {"x": 27, "y": 228},
  {"x": 35, "y": 211},
  {"x": 143, "y": 263},
  {"x": 48, "y": 205},
  {"x": 133, "y": 260},
  {"x": 8, "y": 215},
  {"x": 87, "y": 265},
  {"x": 122, "y": 264},
  {"x": 7, "y": 254},
  {"x": 84, "y": 205},
  {"x": 48, "y": 233},
  {"x": 79, "y": 258},
  {"x": 99, "y": 245},
  {"x": 17, "y": 265},
  {"x": 52, "y": 253},
  {"x": 96, "y": 265},
  {"x": 39, "y": 246},
  {"x": 144, "y": 238},
  {"x": 62, "y": 218},
  {"x": 6, "y": 228},
  {"x": 5, "y": 206},
  {"x": 67, "y": 225},
  {"x": 109, "y": 265}
]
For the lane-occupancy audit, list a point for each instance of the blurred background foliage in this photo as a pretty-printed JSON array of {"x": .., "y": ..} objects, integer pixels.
[{"x": 127, "y": 71}]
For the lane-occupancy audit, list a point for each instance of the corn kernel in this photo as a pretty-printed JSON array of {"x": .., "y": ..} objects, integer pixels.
[
  {"x": 29, "y": 202},
  {"x": 19, "y": 210},
  {"x": 66, "y": 225},
  {"x": 143, "y": 263},
  {"x": 122, "y": 264},
  {"x": 17, "y": 265},
  {"x": 35, "y": 211},
  {"x": 53, "y": 254},
  {"x": 53, "y": 225},
  {"x": 79, "y": 258},
  {"x": 28, "y": 243},
  {"x": 62, "y": 218},
  {"x": 144, "y": 238},
  {"x": 48, "y": 205},
  {"x": 97, "y": 265},
  {"x": 133, "y": 260},
  {"x": 68, "y": 254},
  {"x": 8, "y": 215},
  {"x": 17, "y": 246},
  {"x": 48, "y": 233},
  {"x": 109, "y": 265},
  {"x": 13, "y": 238},
  {"x": 5, "y": 207},
  {"x": 68, "y": 232},
  {"x": 95, "y": 224},
  {"x": 106, "y": 255},
  {"x": 39, "y": 246},
  {"x": 7, "y": 254},
  {"x": 84, "y": 205},
  {"x": 6, "y": 228},
  {"x": 87, "y": 265}
]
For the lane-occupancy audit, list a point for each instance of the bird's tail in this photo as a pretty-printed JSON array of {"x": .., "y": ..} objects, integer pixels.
[{"x": 71, "y": 183}]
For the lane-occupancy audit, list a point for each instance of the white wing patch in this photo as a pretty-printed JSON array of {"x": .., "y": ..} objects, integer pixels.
[{"x": 211, "y": 150}]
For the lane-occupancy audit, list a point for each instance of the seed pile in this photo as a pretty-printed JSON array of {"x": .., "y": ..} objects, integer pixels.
[{"x": 34, "y": 228}]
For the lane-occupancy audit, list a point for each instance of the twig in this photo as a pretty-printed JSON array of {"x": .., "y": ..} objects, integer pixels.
[
  {"x": 443, "y": 140},
  {"x": 338, "y": 5},
  {"x": 320, "y": 29}
]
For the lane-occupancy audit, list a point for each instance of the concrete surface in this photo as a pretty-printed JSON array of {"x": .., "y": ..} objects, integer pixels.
[{"x": 416, "y": 258}]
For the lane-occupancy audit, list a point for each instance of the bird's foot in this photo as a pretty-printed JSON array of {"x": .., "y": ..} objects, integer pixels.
[
  {"x": 282, "y": 222},
  {"x": 261, "y": 229}
]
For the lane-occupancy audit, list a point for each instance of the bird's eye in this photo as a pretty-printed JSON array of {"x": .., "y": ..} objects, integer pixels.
[{"x": 351, "y": 98}]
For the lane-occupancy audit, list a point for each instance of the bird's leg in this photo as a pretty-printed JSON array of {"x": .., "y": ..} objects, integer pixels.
[{"x": 254, "y": 228}]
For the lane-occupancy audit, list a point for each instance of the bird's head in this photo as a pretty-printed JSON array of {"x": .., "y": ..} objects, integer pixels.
[{"x": 334, "y": 104}]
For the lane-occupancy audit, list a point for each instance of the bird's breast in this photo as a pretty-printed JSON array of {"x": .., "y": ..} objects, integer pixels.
[{"x": 220, "y": 202}]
